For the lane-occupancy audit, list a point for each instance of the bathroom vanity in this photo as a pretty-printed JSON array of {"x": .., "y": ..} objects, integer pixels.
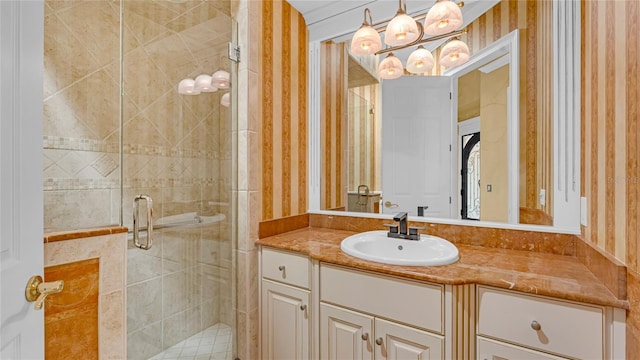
[{"x": 319, "y": 303}]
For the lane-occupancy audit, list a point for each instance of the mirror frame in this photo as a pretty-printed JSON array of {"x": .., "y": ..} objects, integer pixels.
[{"x": 566, "y": 126}]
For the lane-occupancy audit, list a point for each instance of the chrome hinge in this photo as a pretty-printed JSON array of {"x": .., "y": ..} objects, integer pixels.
[
  {"x": 449, "y": 199},
  {"x": 233, "y": 52}
]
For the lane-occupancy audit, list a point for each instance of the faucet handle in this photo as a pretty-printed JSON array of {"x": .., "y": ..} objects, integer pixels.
[
  {"x": 393, "y": 228},
  {"x": 413, "y": 230}
]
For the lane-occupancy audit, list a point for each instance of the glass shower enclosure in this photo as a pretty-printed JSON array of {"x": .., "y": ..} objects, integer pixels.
[{"x": 117, "y": 127}]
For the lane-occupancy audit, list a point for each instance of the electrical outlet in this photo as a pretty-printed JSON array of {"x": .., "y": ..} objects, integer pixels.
[
  {"x": 543, "y": 197},
  {"x": 583, "y": 211}
]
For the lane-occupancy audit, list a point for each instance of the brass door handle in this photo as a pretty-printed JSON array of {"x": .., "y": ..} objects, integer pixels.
[
  {"x": 37, "y": 290},
  {"x": 390, "y": 205}
]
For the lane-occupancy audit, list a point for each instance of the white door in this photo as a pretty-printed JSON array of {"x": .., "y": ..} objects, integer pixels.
[
  {"x": 285, "y": 322},
  {"x": 21, "y": 210},
  {"x": 396, "y": 341},
  {"x": 345, "y": 334},
  {"x": 416, "y": 139}
]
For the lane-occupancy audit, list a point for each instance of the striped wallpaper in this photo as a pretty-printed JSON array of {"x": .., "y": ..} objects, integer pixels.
[
  {"x": 610, "y": 133},
  {"x": 610, "y": 175},
  {"x": 533, "y": 19},
  {"x": 284, "y": 110}
]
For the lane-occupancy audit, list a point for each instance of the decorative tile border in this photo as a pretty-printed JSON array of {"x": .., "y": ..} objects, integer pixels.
[{"x": 63, "y": 143}]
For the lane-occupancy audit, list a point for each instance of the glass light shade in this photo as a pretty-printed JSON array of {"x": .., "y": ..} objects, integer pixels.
[
  {"x": 401, "y": 30},
  {"x": 187, "y": 87},
  {"x": 420, "y": 61},
  {"x": 203, "y": 83},
  {"x": 390, "y": 68},
  {"x": 444, "y": 17},
  {"x": 365, "y": 41},
  {"x": 221, "y": 79},
  {"x": 454, "y": 53},
  {"x": 225, "y": 100}
]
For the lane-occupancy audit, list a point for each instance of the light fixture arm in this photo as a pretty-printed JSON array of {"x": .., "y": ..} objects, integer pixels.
[
  {"x": 420, "y": 40},
  {"x": 367, "y": 12},
  {"x": 402, "y": 7}
]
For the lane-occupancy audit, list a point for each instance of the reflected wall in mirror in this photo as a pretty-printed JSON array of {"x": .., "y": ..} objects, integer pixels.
[{"x": 342, "y": 183}]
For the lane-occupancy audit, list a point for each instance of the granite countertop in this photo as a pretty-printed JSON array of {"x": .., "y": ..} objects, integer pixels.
[{"x": 559, "y": 276}]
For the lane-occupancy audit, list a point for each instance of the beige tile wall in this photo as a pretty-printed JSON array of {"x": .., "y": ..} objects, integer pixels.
[{"x": 247, "y": 14}]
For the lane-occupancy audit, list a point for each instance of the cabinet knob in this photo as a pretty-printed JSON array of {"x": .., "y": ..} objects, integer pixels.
[
  {"x": 281, "y": 267},
  {"x": 365, "y": 336},
  {"x": 379, "y": 341},
  {"x": 535, "y": 325},
  {"x": 303, "y": 307}
]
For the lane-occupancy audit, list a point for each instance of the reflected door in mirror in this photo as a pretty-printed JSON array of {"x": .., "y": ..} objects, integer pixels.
[{"x": 416, "y": 138}]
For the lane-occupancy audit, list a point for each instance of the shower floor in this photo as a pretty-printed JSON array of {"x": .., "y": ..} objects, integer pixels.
[{"x": 214, "y": 343}]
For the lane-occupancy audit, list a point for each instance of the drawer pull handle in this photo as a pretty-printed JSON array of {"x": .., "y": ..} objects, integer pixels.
[
  {"x": 365, "y": 336},
  {"x": 379, "y": 341},
  {"x": 281, "y": 267},
  {"x": 303, "y": 307},
  {"x": 535, "y": 325}
]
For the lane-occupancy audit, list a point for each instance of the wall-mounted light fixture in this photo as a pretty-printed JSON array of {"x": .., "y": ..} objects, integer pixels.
[
  {"x": 205, "y": 83},
  {"x": 442, "y": 21}
]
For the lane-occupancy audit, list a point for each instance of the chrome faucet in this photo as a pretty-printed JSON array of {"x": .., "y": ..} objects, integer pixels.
[
  {"x": 399, "y": 231},
  {"x": 402, "y": 219}
]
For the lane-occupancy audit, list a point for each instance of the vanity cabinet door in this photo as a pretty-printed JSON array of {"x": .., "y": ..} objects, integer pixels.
[
  {"x": 285, "y": 322},
  {"x": 345, "y": 334},
  {"x": 396, "y": 341},
  {"x": 495, "y": 350}
]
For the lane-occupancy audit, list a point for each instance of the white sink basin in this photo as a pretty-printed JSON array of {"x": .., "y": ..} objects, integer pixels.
[{"x": 376, "y": 246}]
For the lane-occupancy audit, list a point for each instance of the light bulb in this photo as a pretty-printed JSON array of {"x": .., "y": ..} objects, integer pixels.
[
  {"x": 203, "y": 83},
  {"x": 454, "y": 53},
  {"x": 187, "y": 87},
  {"x": 221, "y": 79},
  {"x": 401, "y": 30},
  {"x": 225, "y": 100},
  {"x": 444, "y": 17},
  {"x": 390, "y": 68},
  {"x": 420, "y": 61},
  {"x": 365, "y": 41}
]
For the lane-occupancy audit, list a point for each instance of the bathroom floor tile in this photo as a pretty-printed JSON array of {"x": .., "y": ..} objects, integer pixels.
[{"x": 214, "y": 343}]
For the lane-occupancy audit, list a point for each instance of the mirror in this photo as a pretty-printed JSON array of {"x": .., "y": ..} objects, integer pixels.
[
  {"x": 423, "y": 126},
  {"x": 525, "y": 182}
]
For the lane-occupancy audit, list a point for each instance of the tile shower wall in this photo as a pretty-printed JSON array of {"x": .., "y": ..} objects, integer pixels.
[
  {"x": 81, "y": 114},
  {"x": 177, "y": 149}
]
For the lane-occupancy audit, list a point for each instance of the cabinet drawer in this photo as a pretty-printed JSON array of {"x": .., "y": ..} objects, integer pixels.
[
  {"x": 491, "y": 349},
  {"x": 409, "y": 302},
  {"x": 560, "y": 327},
  {"x": 287, "y": 267}
]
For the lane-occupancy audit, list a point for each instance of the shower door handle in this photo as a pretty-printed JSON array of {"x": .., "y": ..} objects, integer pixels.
[{"x": 136, "y": 222}]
